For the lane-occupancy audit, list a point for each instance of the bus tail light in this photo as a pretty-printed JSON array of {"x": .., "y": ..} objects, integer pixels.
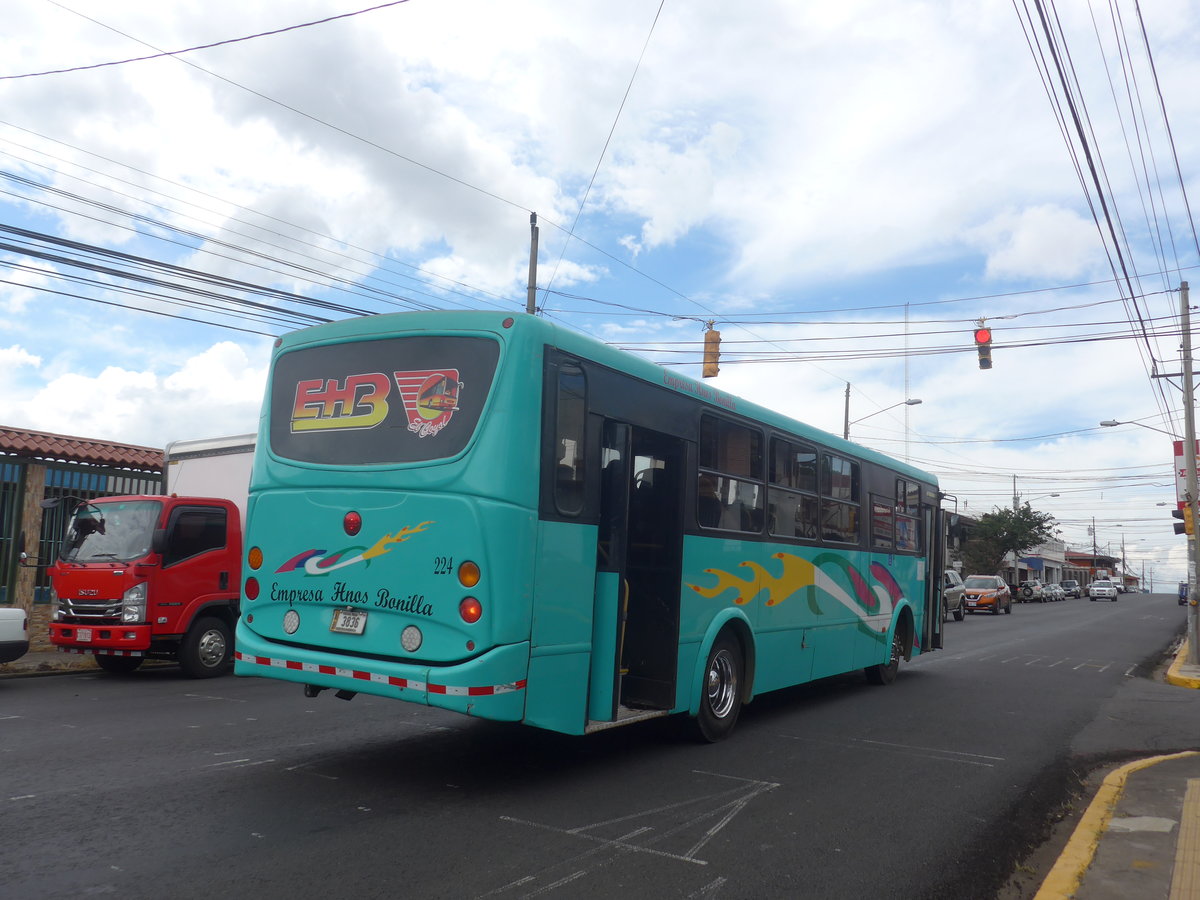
[
  {"x": 352, "y": 523},
  {"x": 251, "y": 588},
  {"x": 468, "y": 574},
  {"x": 254, "y": 559},
  {"x": 470, "y": 609}
]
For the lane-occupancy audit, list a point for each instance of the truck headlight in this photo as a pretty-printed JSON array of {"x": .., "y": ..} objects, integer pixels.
[{"x": 133, "y": 604}]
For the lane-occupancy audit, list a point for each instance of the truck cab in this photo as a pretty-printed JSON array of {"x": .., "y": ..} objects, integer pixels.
[{"x": 150, "y": 577}]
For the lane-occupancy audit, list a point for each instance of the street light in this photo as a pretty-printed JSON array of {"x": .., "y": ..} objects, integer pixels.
[
  {"x": 1109, "y": 423},
  {"x": 846, "y": 431}
]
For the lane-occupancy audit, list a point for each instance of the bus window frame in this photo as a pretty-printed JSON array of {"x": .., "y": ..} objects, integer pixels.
[{"x": 726, "y": 481}]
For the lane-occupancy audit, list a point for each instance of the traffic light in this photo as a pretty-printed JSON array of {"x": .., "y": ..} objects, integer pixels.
[
  {"x": 983, "y": 343},
  {"x": 712, "y": 353},
  {"x": 1187, "y": 526}
]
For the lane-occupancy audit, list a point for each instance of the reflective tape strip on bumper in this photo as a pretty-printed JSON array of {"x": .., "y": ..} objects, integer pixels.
[{"x": 448, "y": 690}]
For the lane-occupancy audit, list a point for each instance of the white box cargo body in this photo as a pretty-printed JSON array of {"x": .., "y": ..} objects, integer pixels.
[{"x": 211, "y": 467}]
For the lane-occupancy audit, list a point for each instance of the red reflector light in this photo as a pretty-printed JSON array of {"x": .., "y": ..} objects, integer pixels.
[
  {"x": 470, "y": 609},
  {"x": 352, "y": 523},
  {"x": 251, "y": 588}
]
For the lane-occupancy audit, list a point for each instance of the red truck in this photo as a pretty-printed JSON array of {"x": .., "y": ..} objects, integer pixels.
[{"x": 158, "y": 577}]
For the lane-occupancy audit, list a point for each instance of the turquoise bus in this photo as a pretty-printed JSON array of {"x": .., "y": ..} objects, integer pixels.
[{"x": 499, "y": 516}]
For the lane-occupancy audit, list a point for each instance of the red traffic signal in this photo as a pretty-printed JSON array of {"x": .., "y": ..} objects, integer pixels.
[{"x": 983, "y": 343}]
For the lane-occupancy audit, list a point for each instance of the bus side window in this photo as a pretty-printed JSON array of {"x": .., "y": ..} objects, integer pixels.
[{"x": 569, "y": 440}]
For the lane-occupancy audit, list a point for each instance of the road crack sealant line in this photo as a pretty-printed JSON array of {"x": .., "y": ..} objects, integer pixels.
[
  {"x": 378, "y": 678},
  {"x": 1067, "y": 874}
]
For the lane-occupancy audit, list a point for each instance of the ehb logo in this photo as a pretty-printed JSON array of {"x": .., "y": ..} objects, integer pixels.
[{"x": 429, "y": 396}]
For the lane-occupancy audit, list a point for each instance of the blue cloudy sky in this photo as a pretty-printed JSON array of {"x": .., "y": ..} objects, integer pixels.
[{"x": 844, "y": 189}]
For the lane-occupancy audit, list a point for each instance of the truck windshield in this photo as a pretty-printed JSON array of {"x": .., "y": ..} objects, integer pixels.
[{"x": 111, "y": 532}]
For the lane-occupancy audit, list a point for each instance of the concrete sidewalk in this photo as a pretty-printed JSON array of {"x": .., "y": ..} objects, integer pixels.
[{"x": 1140, "y": 835}]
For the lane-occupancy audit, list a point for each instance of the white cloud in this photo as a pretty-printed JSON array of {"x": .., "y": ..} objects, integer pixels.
[
  {"x": 1044, "y": 242},
  {"x": 215, "y": 393}
]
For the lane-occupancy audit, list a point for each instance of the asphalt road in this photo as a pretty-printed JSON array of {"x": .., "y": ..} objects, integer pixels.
[{"x": 152, "y": 785}]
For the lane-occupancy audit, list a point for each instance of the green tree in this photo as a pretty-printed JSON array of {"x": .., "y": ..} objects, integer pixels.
[{"x": 1005, "y": 531}]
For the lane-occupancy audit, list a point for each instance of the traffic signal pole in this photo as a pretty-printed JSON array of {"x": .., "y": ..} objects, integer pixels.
[{"x": 1189, "y": 456}]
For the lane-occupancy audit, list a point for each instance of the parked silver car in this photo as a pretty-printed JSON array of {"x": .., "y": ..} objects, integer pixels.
[
  {"x": 1103, "y": 589},
  {"x": 953, "y": 601},
  {"x": 1071, "y": 588}
]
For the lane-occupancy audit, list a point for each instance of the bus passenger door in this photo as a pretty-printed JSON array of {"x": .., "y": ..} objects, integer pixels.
[
  {"x": 640, "y": 558},
  {"x": 612, "y": 585},
  {"x": 935, "y": 528}
]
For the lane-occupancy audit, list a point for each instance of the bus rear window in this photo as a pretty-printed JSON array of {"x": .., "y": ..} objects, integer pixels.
[{"x": 397, "y": 400}]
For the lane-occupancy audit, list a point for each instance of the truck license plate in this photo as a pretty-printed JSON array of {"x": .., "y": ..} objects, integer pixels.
[
  {"x": 349, "y": 621},
  {"x": 83, "y": 634}
]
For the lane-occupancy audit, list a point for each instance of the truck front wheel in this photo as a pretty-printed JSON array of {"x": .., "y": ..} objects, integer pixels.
[
  {"x": 117, "y": 665},
  {"x": 206, "y": 649}
]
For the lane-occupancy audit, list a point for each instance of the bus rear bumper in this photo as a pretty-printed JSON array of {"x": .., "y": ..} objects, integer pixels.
[{"x": 491, "y": 686}]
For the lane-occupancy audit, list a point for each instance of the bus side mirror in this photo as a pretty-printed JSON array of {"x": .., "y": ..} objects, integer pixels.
[{"x": 158, "y": 542}]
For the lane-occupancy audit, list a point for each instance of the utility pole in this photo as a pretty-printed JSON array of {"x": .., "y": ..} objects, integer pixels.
[
  {"x": 1189, "y": 455},
  {"x": 846, "y": 418},
  {"x": 531, "y": 291},
  {"x": 1093, "y": 548},
  {"x": 1016, "y": 510}
]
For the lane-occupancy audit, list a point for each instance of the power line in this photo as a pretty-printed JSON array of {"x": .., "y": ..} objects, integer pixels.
[{"x": 249, "y": 37}]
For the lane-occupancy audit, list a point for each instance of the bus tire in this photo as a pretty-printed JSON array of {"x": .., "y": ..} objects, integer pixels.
[
  {"x": 206, "y": 649},
  {"x": 117, "y": 665},
  {"x": 721, "y": 690},
  {"x": 885, "y": 673}
]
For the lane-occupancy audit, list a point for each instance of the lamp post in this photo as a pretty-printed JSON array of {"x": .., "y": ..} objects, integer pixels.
[
  {"x": 846, "y": 427},
  {"x": 1110, "y": 423}
]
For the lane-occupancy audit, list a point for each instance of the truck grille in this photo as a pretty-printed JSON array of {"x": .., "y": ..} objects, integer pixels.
[{"x": 89, "y": 611}]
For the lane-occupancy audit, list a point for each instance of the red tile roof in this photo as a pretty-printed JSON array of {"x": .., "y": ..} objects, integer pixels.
[{"x": 41, "y": 445}]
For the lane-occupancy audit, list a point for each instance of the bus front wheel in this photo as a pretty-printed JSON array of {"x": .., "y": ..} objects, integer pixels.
[{"x": 721, "y": 700}]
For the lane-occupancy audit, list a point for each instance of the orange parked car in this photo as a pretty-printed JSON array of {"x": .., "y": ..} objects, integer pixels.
[{"x": 987, "y": 593}]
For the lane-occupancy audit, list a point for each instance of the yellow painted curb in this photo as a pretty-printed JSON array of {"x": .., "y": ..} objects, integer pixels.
[
  {"x": 1066, "y": 876},
  {"x": 1173, "y": 674}
]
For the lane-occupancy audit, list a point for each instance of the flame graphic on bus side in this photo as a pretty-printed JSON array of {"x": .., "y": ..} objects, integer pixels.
[
  {"x": 319, "y": 562},
  {"x": 871, "y": 601}
]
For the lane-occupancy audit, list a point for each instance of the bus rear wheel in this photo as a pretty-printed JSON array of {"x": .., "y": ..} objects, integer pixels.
[
  {"x": 721, "y": 700},
  {"x": 885, "y": 673},
  {"x": 117, "y": 665}
]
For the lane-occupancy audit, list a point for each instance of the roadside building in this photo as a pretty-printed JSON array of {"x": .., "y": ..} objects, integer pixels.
[
  {"x": 1085, "y": 567},
  {"x": 1046, "y": 562}
]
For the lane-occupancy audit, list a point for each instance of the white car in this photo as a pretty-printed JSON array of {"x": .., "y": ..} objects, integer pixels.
[
  {"x": 1103, "y": 589},
  {"x": 14, "y": 633}
]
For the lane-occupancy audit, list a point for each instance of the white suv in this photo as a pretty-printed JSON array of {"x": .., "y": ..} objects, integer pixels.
[
  {"x": 1103, "y": 589},
  {"x": 1032, "y": 591}
]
